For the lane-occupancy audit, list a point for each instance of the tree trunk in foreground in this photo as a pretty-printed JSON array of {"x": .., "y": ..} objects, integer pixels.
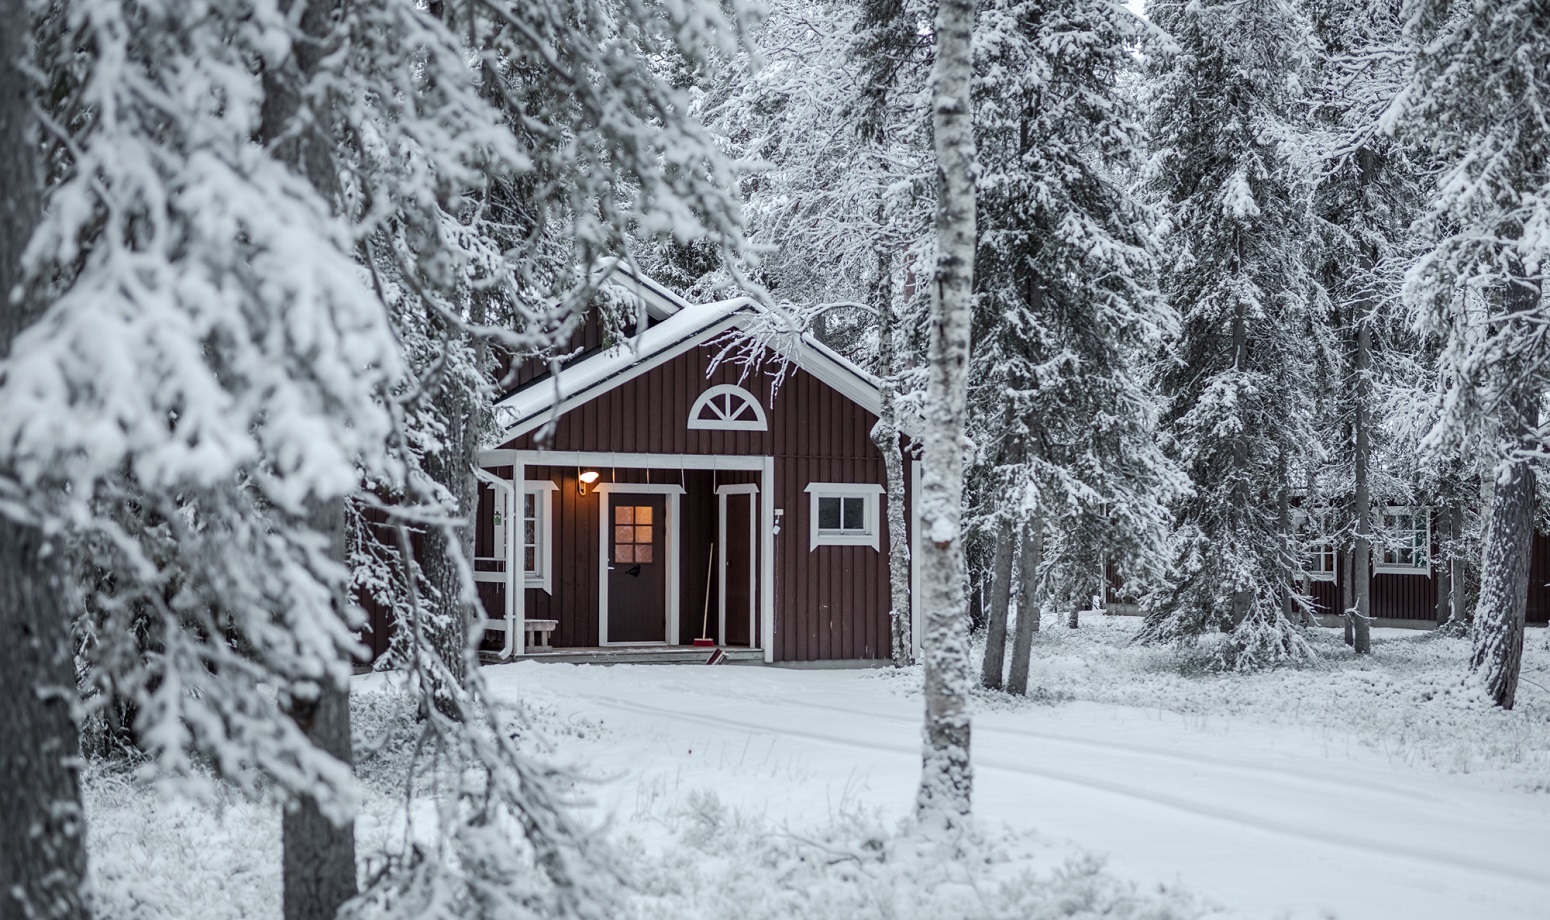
[
  {"x": 1498, "y": 649},
  {"x": 317, "y": 853},
  {"x": 42, "y": 824},
  {"x": 885, "y": 434},
  {"x": 946, "y": 775},
  {"x": 1027, "y": 606},
  {"x": 1000, "y": 599},
  {"x": 318, "y": 861}
]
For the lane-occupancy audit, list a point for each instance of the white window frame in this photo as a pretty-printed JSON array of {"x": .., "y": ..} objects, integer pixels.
[
  {"x": 866, "y": 491},
  {"x": 541, "y": 576},
  {"x": 1423, "y": 565},
  {"x": 1323, "y": 550},
  {"x": 1303, "y": 522},
  {"x": 758, "y": 423}
]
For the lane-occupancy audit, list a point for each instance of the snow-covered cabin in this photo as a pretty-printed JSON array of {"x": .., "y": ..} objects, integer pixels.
[{"x": 647, "y": 495}]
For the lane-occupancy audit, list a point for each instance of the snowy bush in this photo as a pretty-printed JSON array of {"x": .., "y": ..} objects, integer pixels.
[{"x": 722, "y": 864}]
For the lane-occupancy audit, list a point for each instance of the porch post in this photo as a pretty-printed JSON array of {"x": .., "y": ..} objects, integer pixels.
[
  {"x": 516, "y": 562},
  {"x": 767, "y": 558}
]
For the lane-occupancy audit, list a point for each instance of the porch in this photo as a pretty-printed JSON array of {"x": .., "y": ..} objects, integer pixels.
[
  {"x": 623, "y": 557},
  {"x": 634, "y": 654}
]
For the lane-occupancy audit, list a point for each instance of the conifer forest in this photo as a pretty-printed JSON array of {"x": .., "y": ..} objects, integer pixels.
[{"x": 763, "y": 459}]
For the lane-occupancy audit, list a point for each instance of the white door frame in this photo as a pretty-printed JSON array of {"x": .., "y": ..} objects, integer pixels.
[
  {"x": 674, "y": 495},
  {"x": 751, "y": 490}
]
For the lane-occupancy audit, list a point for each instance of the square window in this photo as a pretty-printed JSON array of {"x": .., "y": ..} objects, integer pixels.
[
  {"x": 624, "y": 514},
  {"x": 844, "y": 514}
]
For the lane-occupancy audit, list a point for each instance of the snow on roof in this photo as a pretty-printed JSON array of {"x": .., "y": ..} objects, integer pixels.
[{"x": 687, "y": 326}]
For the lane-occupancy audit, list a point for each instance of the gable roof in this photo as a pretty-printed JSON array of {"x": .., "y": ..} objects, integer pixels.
[{"x": 689, "y": 326}]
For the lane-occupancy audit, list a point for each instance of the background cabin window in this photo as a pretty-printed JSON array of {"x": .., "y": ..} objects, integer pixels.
[
  {"x": 727, "y": 407},
  {"x": 634, "y": 534},
  {"x": 844, "y": 514},
  {"x": 1320, "y": 563},
  {"x": 1405, "y": 541}
]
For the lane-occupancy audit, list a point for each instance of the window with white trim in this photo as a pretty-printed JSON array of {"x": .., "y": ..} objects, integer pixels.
[
  {"x": 1405, "y": 543},
  {"x": 1318, "y": 562},
  {"x": 535, "y": 532},
  {"x": 727, "y": 407},
  {"x": 843, "y": 514}
]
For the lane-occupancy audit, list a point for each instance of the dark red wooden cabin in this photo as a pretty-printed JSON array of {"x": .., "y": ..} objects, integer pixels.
[{"x": 649, "y": 494}]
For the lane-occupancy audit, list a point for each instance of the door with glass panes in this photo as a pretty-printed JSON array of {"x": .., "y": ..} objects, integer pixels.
[{"x": 637, "y": 568}]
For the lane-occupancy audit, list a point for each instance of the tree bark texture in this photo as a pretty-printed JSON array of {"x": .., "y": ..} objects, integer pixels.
[
  {"x": 318, "y": 858},
  {"x": 1504, "y": 565},
  {"x": 42, "y": 823},
  {"x": 1028, "y": 605},
  {"x": 1000, "y": 600},
  {"x": 1361, "y": 566},
  {"x": 946, "y": 775},
  {"x": 885, "y": 434},
  {"x": 318, "y": 855}
]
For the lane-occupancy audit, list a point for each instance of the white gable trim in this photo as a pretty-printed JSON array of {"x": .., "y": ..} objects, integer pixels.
[{"x": 532, "y": 410}]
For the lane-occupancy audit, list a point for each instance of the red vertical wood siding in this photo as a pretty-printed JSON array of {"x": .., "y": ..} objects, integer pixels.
[{"x": 831, "y": 602}]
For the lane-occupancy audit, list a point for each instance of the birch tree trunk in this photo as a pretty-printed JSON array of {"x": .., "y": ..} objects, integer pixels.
[
  {"x": 885, "y": 434},
  {"x": 1361, "y": 564},
  {"x": 318, "y": 850},
  {"x": 1498, "y": 648},
  {"x": 946, "y": 775},
  {"x": 1027, "y": 605},
  {"x": 42, "y": 824},
  {"x": 1000, "y": 599}
]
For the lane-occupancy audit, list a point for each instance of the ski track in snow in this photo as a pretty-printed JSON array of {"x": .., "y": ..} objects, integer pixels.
[
  {"x": 1388, "y": 849},
  {"x": 1272, "y": 820},
  {"x": 983, "y": 725}
]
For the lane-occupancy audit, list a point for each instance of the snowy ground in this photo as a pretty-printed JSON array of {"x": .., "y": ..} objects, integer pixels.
[{"x": 1349, "y": 790}]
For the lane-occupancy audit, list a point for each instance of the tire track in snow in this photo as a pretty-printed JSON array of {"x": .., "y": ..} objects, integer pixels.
[
  {"x": 1225, "y": 764},
  {"x": 1393, "y": 850}
]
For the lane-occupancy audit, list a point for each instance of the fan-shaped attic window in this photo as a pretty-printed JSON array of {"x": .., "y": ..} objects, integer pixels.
[{"x": 728, "y": 407}]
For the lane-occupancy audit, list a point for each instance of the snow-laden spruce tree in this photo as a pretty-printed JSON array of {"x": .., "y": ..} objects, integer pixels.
[
  {"x": 1225, "y": 122},
  {"x": 1066, "y": 308},
  {"x": 1368, "y": 195},
  {"x": 1479, "y": 98},
  {"x": 222, "y": 339},
  {"x": 947, "y": 776}
]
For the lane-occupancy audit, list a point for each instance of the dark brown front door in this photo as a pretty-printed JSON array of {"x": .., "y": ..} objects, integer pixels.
[
  {"x": 637, "y": 568},
  {"x": 740, "y": 581}
]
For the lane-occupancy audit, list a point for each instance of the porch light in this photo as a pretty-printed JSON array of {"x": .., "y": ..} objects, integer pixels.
[{"x": 587, "y": 478}]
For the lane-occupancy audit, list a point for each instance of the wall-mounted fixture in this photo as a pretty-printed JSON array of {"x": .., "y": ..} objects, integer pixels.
[{"x": 586, "y": 479}]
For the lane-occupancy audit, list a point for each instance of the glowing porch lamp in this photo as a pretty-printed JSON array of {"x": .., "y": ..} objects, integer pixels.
[{"x": 586, "y": 479}]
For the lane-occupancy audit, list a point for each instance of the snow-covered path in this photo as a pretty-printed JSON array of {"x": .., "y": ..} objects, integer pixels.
[{"x": 1267, "y": 820}]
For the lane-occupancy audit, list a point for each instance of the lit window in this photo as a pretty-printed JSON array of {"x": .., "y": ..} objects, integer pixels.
[
  {"x": 1404, "y": 541},
  {"x": 634, "y": 534},
  {"x": 844, "y": 514}
]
